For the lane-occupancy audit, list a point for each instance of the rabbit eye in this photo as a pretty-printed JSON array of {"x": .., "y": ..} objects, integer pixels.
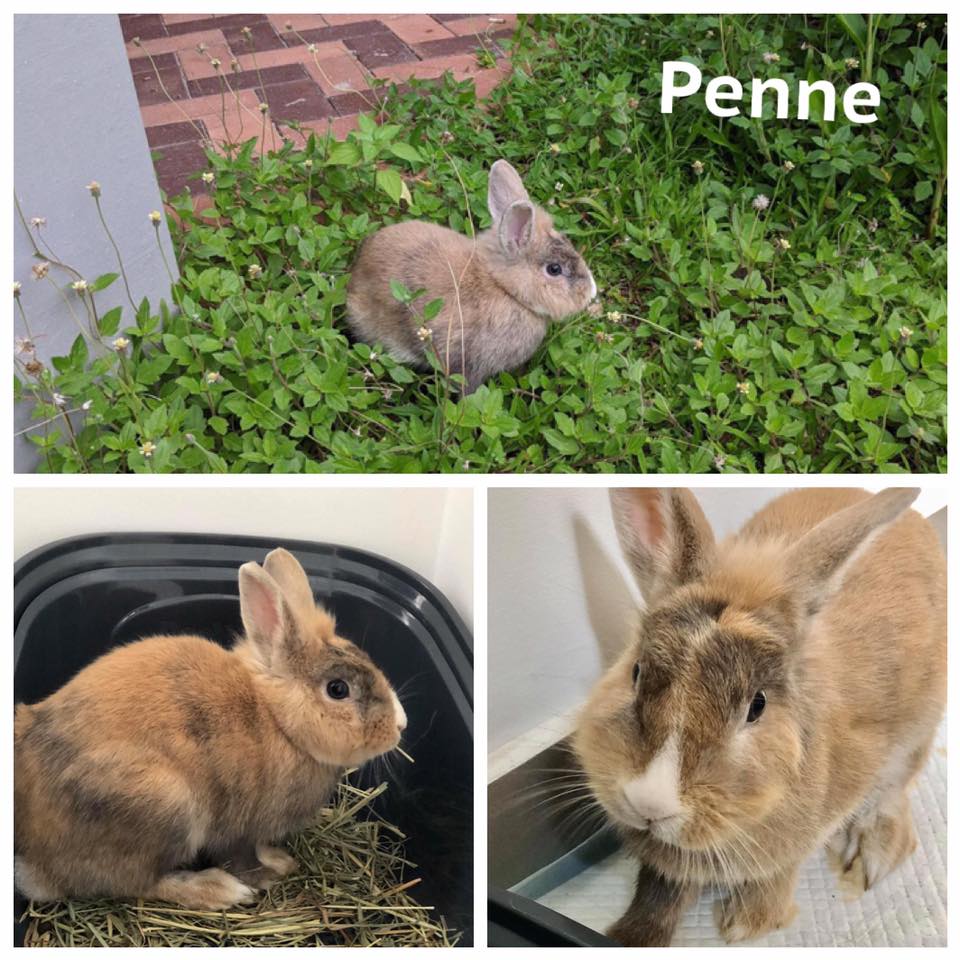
[
  {"x": 757, "y": 704},
  {"x": 554, "y": 269},
  {"x": 636, "y": 672},
  {"x": 338, "y": 689}
]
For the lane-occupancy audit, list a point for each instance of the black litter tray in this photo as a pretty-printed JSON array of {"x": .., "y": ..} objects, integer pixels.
[
  {"x": 532, "y": 849},
  {"x": 77, "y": 598}
]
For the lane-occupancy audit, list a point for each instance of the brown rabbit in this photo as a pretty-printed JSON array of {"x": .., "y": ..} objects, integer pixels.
[
  {"x": 782, "y": 693},
  {"x": 172, "y": 746},
  {"x": 500, "y": 290}
]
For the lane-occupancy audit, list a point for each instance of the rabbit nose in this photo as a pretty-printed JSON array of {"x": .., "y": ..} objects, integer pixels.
[
  {"x": 399, "y": 712},
  {"x": 654, "y": 794},
  {"x": 647, "y": 808}
]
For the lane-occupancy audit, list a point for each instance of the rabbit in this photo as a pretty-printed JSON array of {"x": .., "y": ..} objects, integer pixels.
[
  {"x": 782, "y": 692},
  {"x": 173, "y": 746},
  {"x": 500, "y": 290}
]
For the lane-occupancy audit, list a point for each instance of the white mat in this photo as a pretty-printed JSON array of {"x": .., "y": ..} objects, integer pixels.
[{"x": 908, "y": 909}]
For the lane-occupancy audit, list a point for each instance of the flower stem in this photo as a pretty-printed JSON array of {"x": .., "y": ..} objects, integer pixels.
[{"x": 116, "y": 250}]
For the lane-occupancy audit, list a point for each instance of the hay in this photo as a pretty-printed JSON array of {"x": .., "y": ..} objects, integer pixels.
[{"x": 353, "y": 890}]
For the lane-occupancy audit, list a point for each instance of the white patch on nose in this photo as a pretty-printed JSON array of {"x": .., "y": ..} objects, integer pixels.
[
  {"x": 655, "y": 793},
  {"x": 399, "y": 711}
]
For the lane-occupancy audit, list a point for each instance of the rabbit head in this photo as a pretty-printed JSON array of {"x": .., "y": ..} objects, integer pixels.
[
  {"x": 325, "y": 693},
  {"x": 535, "y": 263},
  {"x": 702, "y": 726}
]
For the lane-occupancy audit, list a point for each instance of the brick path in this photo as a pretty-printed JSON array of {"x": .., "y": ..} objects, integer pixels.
[{"x": 309, "y": 68}]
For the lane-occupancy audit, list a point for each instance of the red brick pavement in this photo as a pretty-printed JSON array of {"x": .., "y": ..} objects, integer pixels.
[{"x": 204, "y": 76}]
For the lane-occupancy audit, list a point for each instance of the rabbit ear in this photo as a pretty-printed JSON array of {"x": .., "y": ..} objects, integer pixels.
[
  {"x": 516, "y": 227},
  {"x": 265, "y": 616},
  {"x": 286, "y": 571},
  {"x": 665, "y": 536},
  {"x": 821, "y": 559},
  {"x": 504, "y": 188}
]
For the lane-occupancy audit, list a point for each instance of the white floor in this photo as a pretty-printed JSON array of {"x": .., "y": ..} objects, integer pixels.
[{"x": 908, "y": 909}]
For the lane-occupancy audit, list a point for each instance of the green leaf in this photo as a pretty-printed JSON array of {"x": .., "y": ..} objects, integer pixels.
[
  {"x": 406, "y": 152},
  {"x": 558, "y": 441},
  {"x": 103, "y": 281},
  {"x": 391, "y": 183},
  {"x": 856, "y": 28},
  {"x": 345, "y": 153},
  {"x": 110, "y": 322}
]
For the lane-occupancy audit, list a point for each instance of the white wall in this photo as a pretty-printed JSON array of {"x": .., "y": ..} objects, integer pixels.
[
  {"x": 77, "y": 119},
  {"x": 561, "y": 600},
  {"x": 429, "y": 530}
]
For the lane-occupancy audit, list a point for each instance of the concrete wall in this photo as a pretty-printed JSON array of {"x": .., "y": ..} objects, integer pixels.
[
  {"x": 429, "y": 530},
  {"x": 561, "y": 599},
  {"x": 77, "y": 120}
]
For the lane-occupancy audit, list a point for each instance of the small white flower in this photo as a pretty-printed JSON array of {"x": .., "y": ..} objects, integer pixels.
[
  {"x": 120, "y": 344},
  {"x": 215, "y": 63},
  {"x": 79, "y": 286},
  {"x": 697, "y": 167},
  {"x": 781, "y": 243},
  {"x": 743, "y": 387},
  {"x": 922, "y": 25},
  {"x": 60, "y": 400},
  {"x": 254, "y": 271},
  {"x": 86, "y": 405},
  {"x": 719, "y": 461},
  {"x": 207, "y": 177},
  {"x": 614, "y": 316},
  {"x": 771, "y": 58},
  {"x": 17, "y": 287},
  {"x": 905, "y": 333},
  {"x": 308, "y": 163},
  {"x": 374, "y": 355},
  {"x": 94, "y": 188},
  {"x": 24, "y": 346},
  {"x": 155, "y": 216},
  {"x": 38, "y": 222},
  {"x": 148, "y": 448},
  {"x": 554, "y": 148},
  {"x": 851, "y": 63},
  {"x": 558, "y": 186},
  {"x": 423, "y": 333},
  {"x": 697, "y": 343},
  {"x": 760, "y": 202},
  {"x": 311, "y": 48},
  {"x": 788, "y": 165},
  {"x": 39, "y": 271},
  {"x": 214, "y": 376}
]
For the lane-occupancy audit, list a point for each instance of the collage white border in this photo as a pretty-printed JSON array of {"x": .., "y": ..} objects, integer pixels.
[{"x": 178, "y": 486}]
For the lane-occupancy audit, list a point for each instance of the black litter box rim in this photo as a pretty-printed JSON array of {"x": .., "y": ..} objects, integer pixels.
[
  {"x": 516, "y": 921},
  {"x": 45, "y": 566}
]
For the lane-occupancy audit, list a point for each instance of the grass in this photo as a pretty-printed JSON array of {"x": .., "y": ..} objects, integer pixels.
[
  {"x": 353, "y": 890},
  {"x": 773, "y": 293}
]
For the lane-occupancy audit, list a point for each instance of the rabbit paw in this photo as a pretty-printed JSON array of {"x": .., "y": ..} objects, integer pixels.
[
  {"x": 865, "y": 851},
  {"x": 751, "y": 912},
  {"x": 277, "y": 860},
  {"x": 212, "y": 889}
]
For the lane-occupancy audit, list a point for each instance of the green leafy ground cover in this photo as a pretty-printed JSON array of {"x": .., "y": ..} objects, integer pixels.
[{"x": 804, "y": 333}]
